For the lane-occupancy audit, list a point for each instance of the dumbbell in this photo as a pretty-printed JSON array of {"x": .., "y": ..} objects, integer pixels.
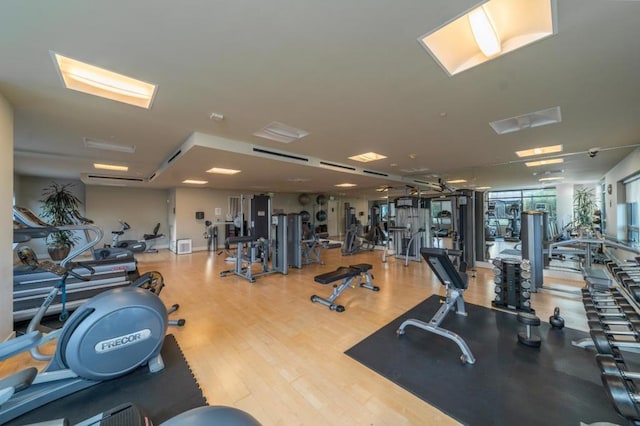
[
  {"x": 620, "y": 316},
  {"x": 595, "y": 322},
  {"x": 604, "y": 299},
  {"x": 620, "y": 387},
  {"x": 599, "y": 295},
  {"x": 590, "y": 292},
  {"x": 527, "y": 338},
  {"x": 609, "y": 310},
  {"x": 603, "y": 302},
  {"x": 606, "y": 328},
  {"x": 604, "y": 344}
]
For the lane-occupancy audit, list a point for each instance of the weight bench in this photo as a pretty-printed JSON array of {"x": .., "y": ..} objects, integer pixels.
[
  {"x": 456, "y": 283},
  {"x": 347, "y": 275}
]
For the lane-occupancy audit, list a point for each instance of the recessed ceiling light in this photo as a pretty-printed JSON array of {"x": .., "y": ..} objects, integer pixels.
[
  {"x": 486, "y": 32},
  {"x": 367, "y": 156},
  {"x": 101, "y": 82},
  {"x": 550, "y": 178},
  {"x": 110, "y": 167},
  {"x": 195, "y": 182},
  {"x": 108, "y": 146},
  {"x": 216, "y": 116},
  {"x": 540, "y": 151},
  {"x": 483, "y": 187},
  {"x": 456, "y": 181},
  {"x": 544, "y": 162},
  {"x": 346, "y": 185},
  {"x": 279, "y": 132},
  {"x": 222, "y": 171},
  {"x": 525, "y": 121}
]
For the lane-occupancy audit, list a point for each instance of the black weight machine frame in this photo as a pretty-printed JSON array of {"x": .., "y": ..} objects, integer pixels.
[{"x": 258, "y": 243}]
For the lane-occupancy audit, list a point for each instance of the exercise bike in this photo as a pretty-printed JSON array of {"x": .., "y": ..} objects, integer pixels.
[
  {"x": 132, "y": 245},
  {"x": 108, "y": 336}
]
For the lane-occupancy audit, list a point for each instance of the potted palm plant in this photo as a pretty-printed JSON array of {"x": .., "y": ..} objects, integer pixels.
[
  {"x": 57, "y": 205},
  {"x": 584, "y": 206}
]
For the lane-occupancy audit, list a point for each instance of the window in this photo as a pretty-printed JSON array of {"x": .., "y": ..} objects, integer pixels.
[{"x": 632, "y": 223}]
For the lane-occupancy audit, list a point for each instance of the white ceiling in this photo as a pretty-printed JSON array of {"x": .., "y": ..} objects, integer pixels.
[{"x": 350, "y": 73}]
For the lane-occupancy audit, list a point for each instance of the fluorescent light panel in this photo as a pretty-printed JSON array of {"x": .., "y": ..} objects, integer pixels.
[
  {"x": 367, "y": 157},
  {"x": 195, "y": 182},
  {"x": 544, "y": 162},
  {"x": 483, "y": 187},
  {"x": 456, "y": 181},
  {"x": 108, "y": 146},
  {"x": 221, "y": 171},
  {"x": 101, "y": 82},
  {"x": 110, "y": 167},
  {"x": 529, "y": 120},
  {"x": 346, "y": 185},
  {"x": 280, "y": 132},
  {"x": 545, "y": 179},
  {"x": 486, "y": 32},
  {"x": 552, "y": 149}
]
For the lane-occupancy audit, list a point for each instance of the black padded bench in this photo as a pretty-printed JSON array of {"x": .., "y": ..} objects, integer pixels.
[{"x": 347, "y": 275}]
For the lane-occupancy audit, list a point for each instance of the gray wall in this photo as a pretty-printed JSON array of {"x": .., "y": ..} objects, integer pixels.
[
  {"x": 142, "y": 209},
  {"x": 6, "y": 230}
]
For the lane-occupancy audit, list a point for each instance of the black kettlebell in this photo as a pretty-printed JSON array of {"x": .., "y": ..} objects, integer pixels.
[{"x": 556, "y": 320}]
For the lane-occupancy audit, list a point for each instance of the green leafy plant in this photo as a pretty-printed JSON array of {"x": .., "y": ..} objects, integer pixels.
[
  {"x": 584, "y": 206},
  {"x": 57, "y": 205}
]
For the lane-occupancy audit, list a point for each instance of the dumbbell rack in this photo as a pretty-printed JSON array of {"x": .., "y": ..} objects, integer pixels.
[
  {"x": 614, "y": 325},
  {"x": 512, "y": 278}
]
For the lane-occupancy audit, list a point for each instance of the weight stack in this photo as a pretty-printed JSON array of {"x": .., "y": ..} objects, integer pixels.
[{"x": 512, "y": 279}]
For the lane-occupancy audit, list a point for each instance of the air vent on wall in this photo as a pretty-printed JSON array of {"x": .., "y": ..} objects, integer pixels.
[{"x": 183, "y": 246}]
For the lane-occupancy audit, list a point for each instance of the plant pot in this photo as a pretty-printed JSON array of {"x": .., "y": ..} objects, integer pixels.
[{"x": 58, "y": 252}]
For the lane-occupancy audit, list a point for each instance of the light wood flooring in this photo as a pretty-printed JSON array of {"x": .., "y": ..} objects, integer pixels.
[{"x": 265, "y": 348}]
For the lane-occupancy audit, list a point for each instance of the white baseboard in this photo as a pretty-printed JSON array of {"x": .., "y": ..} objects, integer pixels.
[{"x": 10, "y": 336}]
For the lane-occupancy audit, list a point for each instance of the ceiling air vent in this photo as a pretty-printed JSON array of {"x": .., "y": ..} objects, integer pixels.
[
  {"x": 339, "y": 166},
  {"x": 371, "y": 172},
  {"x": 279, "y": 132},
  {"x": 280, "y": 154},
  {"x": 174, "y": 156},
  {"x": 526, "y": 121},
  {"x": 116, "y": 178}
]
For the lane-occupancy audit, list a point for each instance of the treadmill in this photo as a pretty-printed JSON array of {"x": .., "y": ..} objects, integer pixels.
[{"x": 31, "y": 284}]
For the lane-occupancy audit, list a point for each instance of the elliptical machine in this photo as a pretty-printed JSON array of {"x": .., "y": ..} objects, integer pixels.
[{"x": 110, "y": 335}]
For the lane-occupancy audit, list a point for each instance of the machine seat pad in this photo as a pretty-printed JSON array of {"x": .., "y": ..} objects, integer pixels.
[
  {"x": 341, "y": 273},
  {"x": 362, "y": 267},
  {"x": 235, "y": 240}
]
